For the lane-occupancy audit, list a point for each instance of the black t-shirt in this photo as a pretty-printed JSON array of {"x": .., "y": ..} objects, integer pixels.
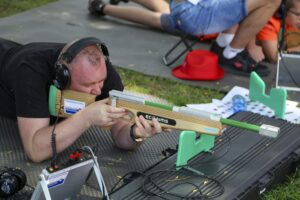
[{"x": 26, "y": 73}]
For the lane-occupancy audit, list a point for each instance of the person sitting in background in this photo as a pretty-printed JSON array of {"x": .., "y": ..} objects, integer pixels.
[
  {"x": 199, "y": 17},
  {"x": 269, "y": 36}
]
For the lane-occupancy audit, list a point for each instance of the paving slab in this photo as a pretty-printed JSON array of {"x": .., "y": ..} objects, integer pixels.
[{"x": 131, "y": 46}]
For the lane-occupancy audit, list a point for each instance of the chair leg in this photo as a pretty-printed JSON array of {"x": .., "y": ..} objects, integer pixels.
[{"x": 188, "y": 47}]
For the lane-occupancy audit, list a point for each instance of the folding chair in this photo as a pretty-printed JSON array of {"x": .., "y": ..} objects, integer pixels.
[{"x": 188, "y": 41}]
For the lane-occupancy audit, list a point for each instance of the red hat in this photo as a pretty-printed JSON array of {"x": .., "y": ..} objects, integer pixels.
[{"x": 199, "y": 65}]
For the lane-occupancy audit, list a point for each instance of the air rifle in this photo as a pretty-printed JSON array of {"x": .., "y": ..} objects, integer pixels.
[{"x": 68, "y": 102}]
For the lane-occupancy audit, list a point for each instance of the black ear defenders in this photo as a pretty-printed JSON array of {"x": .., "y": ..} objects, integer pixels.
[
  {"x": 62, "y": 78},
  {"x": 11, "y": 181}
]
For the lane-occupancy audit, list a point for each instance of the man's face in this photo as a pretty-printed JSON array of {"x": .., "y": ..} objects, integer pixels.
[
  {"x": 293, "y": 14},
  {"x": 88, "y": 71}
]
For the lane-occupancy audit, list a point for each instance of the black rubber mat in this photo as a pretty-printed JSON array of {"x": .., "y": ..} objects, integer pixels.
[
  {"x": 244, "y": 163},
  {"x": 114, "y": 163}
]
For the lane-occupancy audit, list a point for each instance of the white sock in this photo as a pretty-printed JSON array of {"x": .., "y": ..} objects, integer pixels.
[
  {"x": 224, "y": 39},
  {"x": 230, "y": 52}
]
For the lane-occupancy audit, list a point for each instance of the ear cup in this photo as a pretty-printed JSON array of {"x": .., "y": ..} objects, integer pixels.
[
  {"x": 62, "y": 78},
  {"x": 11, "y": 181}
]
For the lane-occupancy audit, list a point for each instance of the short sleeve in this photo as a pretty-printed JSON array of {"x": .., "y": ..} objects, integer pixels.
[
  {"x": 270, "y": 30},
  {"x": 31, "y": 94}
]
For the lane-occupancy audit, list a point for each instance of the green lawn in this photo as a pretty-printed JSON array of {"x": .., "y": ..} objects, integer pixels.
[
  {"x": 10, "y": 7},
  {"x": 174, "y": 92}
]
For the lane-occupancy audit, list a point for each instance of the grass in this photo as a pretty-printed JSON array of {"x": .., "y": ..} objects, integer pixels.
[
  {"x": 290, "y": 190},
  {"x": 10, "y": 7},
  {"x": 174, "y": 92}
]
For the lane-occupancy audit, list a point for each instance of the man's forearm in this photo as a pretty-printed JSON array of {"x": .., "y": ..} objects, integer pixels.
[
  {"x": 39, "y": 146},
  {"x": 121, "y": 136}
]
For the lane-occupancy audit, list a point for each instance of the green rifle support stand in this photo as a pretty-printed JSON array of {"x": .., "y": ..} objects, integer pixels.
[
  {"x": 189, "y": 146},
  {"x": 276, "y": 100}
]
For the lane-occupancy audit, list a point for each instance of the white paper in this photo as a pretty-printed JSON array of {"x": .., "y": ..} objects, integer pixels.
[
  {"x": 236, "y": 90},
  {"x": 224, "y": 107}
]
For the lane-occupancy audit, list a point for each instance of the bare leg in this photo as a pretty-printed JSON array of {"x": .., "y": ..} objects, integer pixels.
[
  {"x": 149, "y": 16},
  {"x": 231, "y": 30},
  {"x": 138, "y": 15},
  {"x": 260, "y": 11},
  {"x": 155, "y": 5}
]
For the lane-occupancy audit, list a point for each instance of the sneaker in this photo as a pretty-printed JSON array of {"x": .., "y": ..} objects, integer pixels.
[
  {"x": 243, "y": 64},
  {"x": 116, "y": 2},
  {"x": 96, "y": 7},
  {"x": 260, "y": 68}
]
